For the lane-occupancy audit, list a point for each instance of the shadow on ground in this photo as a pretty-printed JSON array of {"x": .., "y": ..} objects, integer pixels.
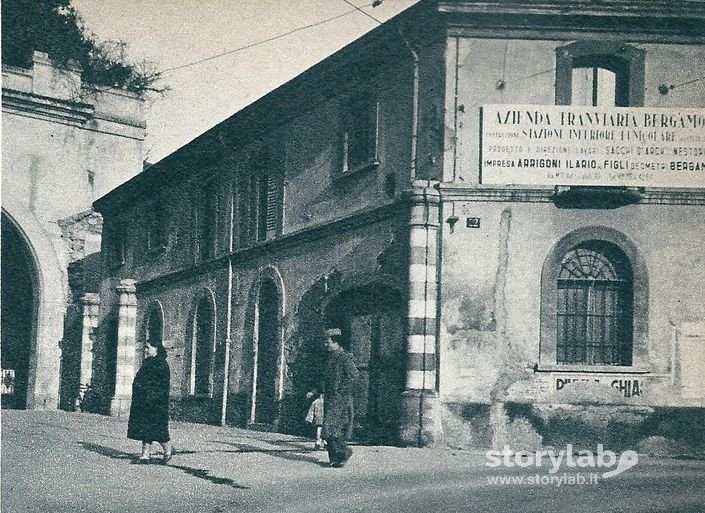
[
  {"x": 293, "y": 453},
  {"x": 196, "y": 472}
]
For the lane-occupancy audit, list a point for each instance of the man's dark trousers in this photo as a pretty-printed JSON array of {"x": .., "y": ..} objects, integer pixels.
[{"x": 338, "y": 450}]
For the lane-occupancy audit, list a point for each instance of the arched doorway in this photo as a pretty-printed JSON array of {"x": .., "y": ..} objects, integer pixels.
[
  {"x": 267, "y": 353},
  {"x": 203, "y": 342},
  {"x": 19, "y": 314},
  {"x": 371, "y": 318}
]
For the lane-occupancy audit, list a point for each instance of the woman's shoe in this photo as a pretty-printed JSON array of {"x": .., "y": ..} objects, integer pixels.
[{"x": 167, "y": 456}]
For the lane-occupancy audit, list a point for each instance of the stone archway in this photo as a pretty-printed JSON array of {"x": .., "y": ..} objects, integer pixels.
[
  {"x": 51, "y": 286},
  {"x": 372, "y": 319},
  {"x": 20, "y": 295}
]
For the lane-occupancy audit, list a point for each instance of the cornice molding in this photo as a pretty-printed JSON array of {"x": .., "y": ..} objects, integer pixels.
[
  {"x": 649, "y": 196},
  {"x": 659, "y": 21},
  {"x": 322, "y": 231},
  {"x": 491, "y": 30},
  {"x": 279, "y": 244},
  {"x": 620, "y": 8},
  {"x": 43, "y": 107}
]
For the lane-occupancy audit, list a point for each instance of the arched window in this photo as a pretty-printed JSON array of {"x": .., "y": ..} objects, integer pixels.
[
  {"x": 594, "y": 303},
  {"x": 594, "y": 307},
  {"x": 203, "y": 332}
]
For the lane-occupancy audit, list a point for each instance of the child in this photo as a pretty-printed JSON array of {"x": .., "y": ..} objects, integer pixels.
[{"x": 315, "y": 417}]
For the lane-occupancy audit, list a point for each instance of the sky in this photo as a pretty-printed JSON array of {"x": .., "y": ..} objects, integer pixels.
[{"x": 176, "y": 33}]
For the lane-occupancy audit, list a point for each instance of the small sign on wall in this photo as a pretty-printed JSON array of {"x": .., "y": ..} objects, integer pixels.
[
  {"x": 472, "y": 222},
  {"x": 628, "y": 387}
]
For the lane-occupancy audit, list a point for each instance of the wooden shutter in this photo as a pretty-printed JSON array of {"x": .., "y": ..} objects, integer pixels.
[{"x": 272, "y": 204}]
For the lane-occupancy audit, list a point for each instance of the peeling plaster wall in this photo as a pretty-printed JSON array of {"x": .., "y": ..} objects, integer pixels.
[
  {"x": 492, "y": 299},
  {"x": 327, "y": 232},
  {"x": 490, "y": 281}
]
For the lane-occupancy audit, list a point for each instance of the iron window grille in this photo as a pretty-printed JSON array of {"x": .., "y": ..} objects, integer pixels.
[{"x": 594, "y": 309}]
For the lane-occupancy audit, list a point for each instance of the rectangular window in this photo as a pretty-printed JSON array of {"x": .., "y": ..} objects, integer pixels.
[
  {"x": 360, "y": 133},
  {"x": 600, "y": 74},
  {"x": 207, "y": 221},
  {"x": 260, "y": 203},
  {"x": 117, "y": 243},
  {"x": 594, "y": 86},
  {"x": 268, "y": 207},
  {"x": 155, "y": 228}
]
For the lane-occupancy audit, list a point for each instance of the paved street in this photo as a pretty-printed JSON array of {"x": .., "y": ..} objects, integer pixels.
[{"x": 73, "y": 462}]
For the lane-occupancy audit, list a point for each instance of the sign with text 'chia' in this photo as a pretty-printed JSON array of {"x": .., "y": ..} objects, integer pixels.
[{"x": 570, "y": 145}]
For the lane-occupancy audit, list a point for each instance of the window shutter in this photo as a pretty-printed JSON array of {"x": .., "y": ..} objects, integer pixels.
[{"x": 272, "y": 204}]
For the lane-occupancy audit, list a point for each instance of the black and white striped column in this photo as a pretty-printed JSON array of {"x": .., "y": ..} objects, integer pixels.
[
  {"x": 421, "y": 423},
  {"x": 421, "y": 344}
]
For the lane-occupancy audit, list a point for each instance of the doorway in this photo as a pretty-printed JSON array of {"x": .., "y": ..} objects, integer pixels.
[
  {"x": 267, "y": 355},
  {"x": 372, "y": 321},
  {"x": 19, "y": 313},
  {"x": 203, "y": 330}
]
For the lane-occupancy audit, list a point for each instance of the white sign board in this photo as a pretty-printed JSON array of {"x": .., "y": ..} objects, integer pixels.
[{"x": 570, "y": 145}]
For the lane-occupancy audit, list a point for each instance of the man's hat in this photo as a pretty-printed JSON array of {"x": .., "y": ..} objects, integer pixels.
[{"x": 334, "y": 332}]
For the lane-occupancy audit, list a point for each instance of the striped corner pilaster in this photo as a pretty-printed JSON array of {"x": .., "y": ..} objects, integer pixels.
[
  {"x": 91, "y": 307},
  {"x": 127, "y": 332},
  {"x": 423, "y": 234}
]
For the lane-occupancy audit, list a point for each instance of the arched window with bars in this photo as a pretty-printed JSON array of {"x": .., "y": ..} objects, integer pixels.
[{"x": 594, "y": 306}]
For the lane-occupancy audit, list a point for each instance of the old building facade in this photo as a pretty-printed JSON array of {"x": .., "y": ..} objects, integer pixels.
[
  {"x": 501, "y": 204},
  {"x": 65, "y": 144}
]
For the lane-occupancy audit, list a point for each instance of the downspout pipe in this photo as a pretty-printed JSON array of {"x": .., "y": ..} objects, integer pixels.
[
  {"x": 415, "y": 105},
  {"x": 229, "y": 312},
  {"x": 413, "y": 169}
]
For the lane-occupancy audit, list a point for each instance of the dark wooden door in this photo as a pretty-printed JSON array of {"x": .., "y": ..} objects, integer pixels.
[{"x": 377, "y": 345}]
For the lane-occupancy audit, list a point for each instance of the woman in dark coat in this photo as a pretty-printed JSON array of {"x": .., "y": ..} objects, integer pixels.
[{"x": 149, "y": 411}]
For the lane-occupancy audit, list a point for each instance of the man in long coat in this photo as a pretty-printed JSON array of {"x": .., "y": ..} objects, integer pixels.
[{"x": 338, "y": 382}]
